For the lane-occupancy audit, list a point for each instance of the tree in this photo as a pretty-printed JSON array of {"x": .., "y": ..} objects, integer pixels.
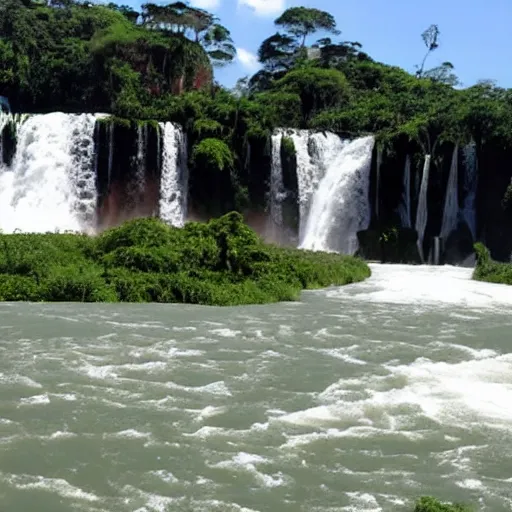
[
  {"x": 218, "y": 44},
  {"x": 443, "y": 74},
  {"x": 125, "y": 10},
  {"x": 317, "y": 88},
  {"x": 335, "y": 55},
  {"x": 202, "y": 26},
  {"x": 276, "y": 53},
  {"x": 300, "y": 22},
  {"x": 430, "y": 38}
]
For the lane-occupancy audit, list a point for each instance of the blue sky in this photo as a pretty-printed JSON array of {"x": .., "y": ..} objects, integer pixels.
[{"x": 475, "y": 35}]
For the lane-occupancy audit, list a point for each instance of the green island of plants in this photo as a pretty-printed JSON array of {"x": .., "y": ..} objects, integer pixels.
[
  {"x": 487, "y": 269},
  {"x": 222, "y": 262},
  {"x": 429, "y": 504}
]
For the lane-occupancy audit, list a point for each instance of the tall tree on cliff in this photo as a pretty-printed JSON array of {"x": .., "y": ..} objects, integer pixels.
[
  {"x": 442, "y": 73},
  {"x": 300, "y": 22},
  {"x": 431, "y": 39},
  {"x": 279, "y": 52},
  {"x": 198, "y": 25}
]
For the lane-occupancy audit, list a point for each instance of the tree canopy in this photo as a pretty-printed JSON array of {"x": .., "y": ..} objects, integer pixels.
[
  {"x": 300, "y": 22},
  {"x": 156, "y": 63}
]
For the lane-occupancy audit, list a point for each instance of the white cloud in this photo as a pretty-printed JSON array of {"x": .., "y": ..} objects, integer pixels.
[
  {"x": 248, "y": 60},
  {"x": 206, "y": 4},
  {"x": 264, "y": 7}
]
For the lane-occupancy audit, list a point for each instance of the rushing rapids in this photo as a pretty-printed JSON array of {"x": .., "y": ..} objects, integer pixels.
[{"x": 358, "y": 398}]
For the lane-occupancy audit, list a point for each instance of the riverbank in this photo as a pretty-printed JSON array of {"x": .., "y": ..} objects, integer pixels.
[
  {"x": 488, "y": 270},
  {"x": 222, "y": 262}
]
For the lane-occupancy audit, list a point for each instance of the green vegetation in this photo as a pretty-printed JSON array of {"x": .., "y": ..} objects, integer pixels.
[
  {"x": 220, "y": 263},
  {"x": 488, "y": 270},
  {"x": 64, "y": 54},
  {"x": 157, "y": 64},
  {"x": 429, "y": 504}
]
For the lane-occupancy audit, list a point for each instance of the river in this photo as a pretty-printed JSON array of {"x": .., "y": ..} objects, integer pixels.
[{"x": 358, "y": 398}]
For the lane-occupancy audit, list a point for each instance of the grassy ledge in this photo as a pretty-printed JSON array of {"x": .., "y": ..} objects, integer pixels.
[
  {"x": 222, "y": 262},
  {"x": 489, "y": 270}
]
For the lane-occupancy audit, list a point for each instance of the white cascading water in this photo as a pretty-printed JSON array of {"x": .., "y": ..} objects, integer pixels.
[
  {"x": 404, "y": 209},
  {"x": 422, "y": 212},
  {"x": 340, "y": 206},
  {"x": 51, "y": 185},
  {"x": 277, "y": 191},
  {"x": 470, "y": 186},
  {"x": 174, "y": 175},
  {"x": 315, "y": 153},
  {"x": 307, "y": 173},
  {"x": 142, "y": 137},
  {"x": 451, "y": 203}
]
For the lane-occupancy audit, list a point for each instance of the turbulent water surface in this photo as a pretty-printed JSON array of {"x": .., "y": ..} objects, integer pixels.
[{"x": 355, "y": 399}]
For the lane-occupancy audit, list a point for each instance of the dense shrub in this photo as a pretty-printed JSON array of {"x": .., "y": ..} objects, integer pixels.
[
  {"x": 489, "y": 270},
  {"x": 222, "y": 262},
  {"x": 429, "y": 504}
]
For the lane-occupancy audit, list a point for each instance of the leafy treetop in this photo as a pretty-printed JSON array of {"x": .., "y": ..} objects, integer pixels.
[{"x": 303, "y": 21}]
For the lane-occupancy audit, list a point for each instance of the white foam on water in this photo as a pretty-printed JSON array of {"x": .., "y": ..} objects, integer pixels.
[
  {"x": 209, "y": 412},
  {"x": 68, "y": 397},
  {"x": 422, "y": 285},
  {"x": 247, "y": 462},
  {"x": 36, "y": 400},
  {"x": 176, "y": 352},
  {"x": 214, "y": 388},
  {"x": 464, "y": 395},
  {"x": 20, "y": 380},
  {"x": 362, "y": 502},
  {"x": 129, "y": 434},
  {"x": 471, "y": 484},
  {"x": 144, "y": 325},
  {"x": 217, "y": 506},
  {"x": 54, "y": 485},
  {"x": 225, "y": 332},
  {"x": 165, "y": 476},
  {"x": 340, "y": 353}
]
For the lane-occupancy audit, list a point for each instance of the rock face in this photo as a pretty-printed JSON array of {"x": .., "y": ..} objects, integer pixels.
[
  {"x": 459, "y": 246},
  {"x": 389, "y": 246}
]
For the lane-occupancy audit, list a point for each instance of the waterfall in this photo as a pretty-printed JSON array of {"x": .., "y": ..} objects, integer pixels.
[
  {"x": 470, "y": 186},
  {"x": 451, "y": 203},
  {"x": 340, "y": 206},
  {"x": 51, "y": 184},
  {"x": 307, "y": 174},
  {"x": 315, "y": 153},
  {"x": 405, "y": 207},
  {"x": 422, "y": 212},
  {"x": 140, "y": 159},
  {"x": 174, "y": 175},
  {"x": 277, "y": 192}
]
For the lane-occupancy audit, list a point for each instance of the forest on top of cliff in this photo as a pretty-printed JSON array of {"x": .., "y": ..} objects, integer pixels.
[{"x": 158, "y": 64}]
